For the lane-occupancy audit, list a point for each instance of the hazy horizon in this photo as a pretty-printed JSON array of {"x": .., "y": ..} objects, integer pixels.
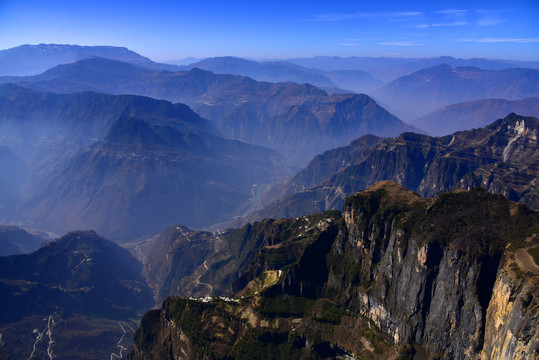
[{"x": 168, "y": 30}]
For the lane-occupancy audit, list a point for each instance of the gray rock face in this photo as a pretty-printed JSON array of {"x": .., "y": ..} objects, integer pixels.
[
  {"x": 450, "y": 275},
  {"x": 444, "y": 288},
  {"x": 501, "y": 158}
]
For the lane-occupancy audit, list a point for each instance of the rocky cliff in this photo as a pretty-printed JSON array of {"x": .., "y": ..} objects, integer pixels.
[
  {"x": 398, "y": 274},
  {"x": 501, "y": 158}
]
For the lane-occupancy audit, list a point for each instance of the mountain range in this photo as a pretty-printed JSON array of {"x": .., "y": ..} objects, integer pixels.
[
  {"x": 332, "y": 81},
  {"x": 432, "y": 88},
  {"x": 394, "y": 276},
  {"x": 474, "y": 114},
  {"x": 140, "y": 178},
  {"x": 14, "y": 240},
  {"x": 500, "y": 157},
  {"x": 34, "y": 59},
  {"x": 299, "y": 120},
  {"x": 388, "y": 243},
  {"x": 389, "y": 69},
  {"x": 79, "y": 152},
  {"x": 77, "y": 291}
]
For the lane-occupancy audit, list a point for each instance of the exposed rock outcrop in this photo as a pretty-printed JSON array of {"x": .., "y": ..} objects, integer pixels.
[{"x": 444, "y": 274}]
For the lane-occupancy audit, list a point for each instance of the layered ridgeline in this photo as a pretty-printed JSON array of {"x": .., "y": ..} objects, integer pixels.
[
  {"x": 282, "y": 71},
  {"x": 14, "y": 240},
  {"x": 391, "y": 68},
  {"x": 474, "y": 114},
  {"x": 397, "y": 274},
  {"x": 430, "y": 89},
  {"x": 125, "y": 165},
  {"x": 45, "y": 129},
  {"x": 299, "y": 120},
  {"x": 75, "y": 297},
  {"x": 501, "y": 158},
  {"x": 262, "y": 71},
  {"x": 34, "y": 59},
  {"x": 142, "y": 178},
  {"x": 13, "y": 173}
]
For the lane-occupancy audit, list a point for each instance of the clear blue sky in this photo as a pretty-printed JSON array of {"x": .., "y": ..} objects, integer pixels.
[{"x": 164, "y": 30}]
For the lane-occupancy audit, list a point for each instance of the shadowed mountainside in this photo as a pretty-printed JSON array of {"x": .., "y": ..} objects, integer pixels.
[
  {"x": 432, "y": 88},
  {"x": 299, "y": 120},
  {"x": 13, "y": 174},
  {"x": 501, "y": 158},
  {"x": 14, "y": 240},
  {"x": 351, "y": 80},
  {"x": 474, "y": 114},
  {"x": 81, "y": 288},
  {"x": 141, "y": 178},
  {"x": 396, "y": 275}
]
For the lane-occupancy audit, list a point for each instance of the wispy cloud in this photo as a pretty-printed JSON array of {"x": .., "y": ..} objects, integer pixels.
[
  {"x": 501, "y": 40},
  {"x": 402, "y": 43},
  {"x": 390, "y": 15},
  {"x": 490, "y": 21},
  {"x": 331, "y": 17},
  {"x": 452, "y": 12},
  {"x": 455, "y": 23}
]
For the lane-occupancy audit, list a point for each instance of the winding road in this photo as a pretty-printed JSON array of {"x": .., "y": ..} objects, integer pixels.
[
  {"x": 119, "y": 343},
  {"x": 48, "y": 331},
  {"x": 206, "y": 284}
]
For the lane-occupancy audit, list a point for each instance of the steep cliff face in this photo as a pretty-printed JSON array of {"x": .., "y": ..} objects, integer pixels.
[
  {"x": 450, "y": 275},
  {"x": 501, "y": 158},
  {"x": 427, "y": 269},
  {"x": 511, "y": 320},
  {"x": 183, "y": 262}
]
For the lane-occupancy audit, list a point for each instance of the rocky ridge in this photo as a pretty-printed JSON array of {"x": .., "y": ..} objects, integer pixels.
[
  {"x": 500, "y": 157},
  {"x": 397, "y": 274},
  {"x": 299, "y": 120}
]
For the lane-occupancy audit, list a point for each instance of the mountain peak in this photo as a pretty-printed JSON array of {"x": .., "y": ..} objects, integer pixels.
[
  {"x": 35, "y": 59},
  {"x": 393, "y": 193},
  {"x": 517, "y": 125}
]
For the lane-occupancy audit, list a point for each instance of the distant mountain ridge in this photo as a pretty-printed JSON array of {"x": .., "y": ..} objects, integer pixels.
[
  {"x": 501, "y": 158},
  {"x": 474, "y": 114},
  {"x": 299, "y": 120},
  {"x": 142, "y": 178},
  {"x": 281, "y": 71},
  {"x": 432, "y": 88},
  {"x": 34, "y": 59},
  {"x": 390, "y": 68},
  {"x": 124, "y": 165},
  {"x": 14, "y": 240},
  {"x": 44, "y": 130},
  {"x": 261, "y": 71}
]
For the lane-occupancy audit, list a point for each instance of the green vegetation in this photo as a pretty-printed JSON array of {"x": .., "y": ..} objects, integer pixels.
[
  {"x": 327, "y": 312},
  {"x": 284, "y": 305},
  {"x": 261, "y": 344},
  {"x": 407, "y": 353},
  {"x": 534, "y": 252},
  {"x": 516, "y": 269},
  {"x": 145, "y": 335}
]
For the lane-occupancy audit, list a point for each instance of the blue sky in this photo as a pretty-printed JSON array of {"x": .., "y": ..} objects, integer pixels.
[{"x": 165, "y": 30}]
